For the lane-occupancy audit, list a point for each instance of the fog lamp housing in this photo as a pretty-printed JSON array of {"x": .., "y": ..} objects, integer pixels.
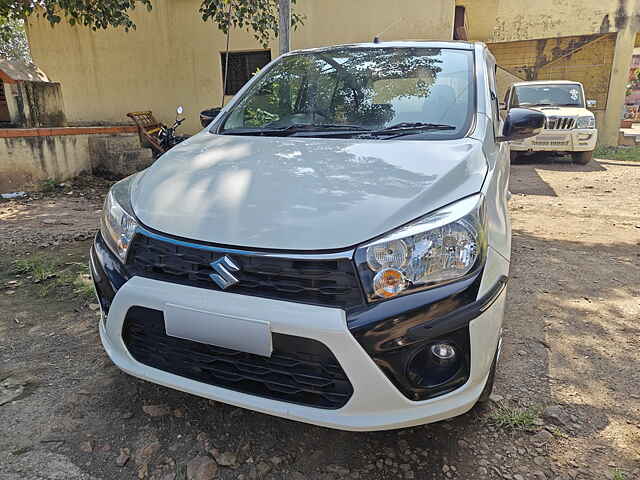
[{"x": 434, "y": 365}]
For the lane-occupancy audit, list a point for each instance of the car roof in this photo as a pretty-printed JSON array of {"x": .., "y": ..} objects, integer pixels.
[
  {"x": 547, "y": 82},
  {"x": 460, "y": 45}
]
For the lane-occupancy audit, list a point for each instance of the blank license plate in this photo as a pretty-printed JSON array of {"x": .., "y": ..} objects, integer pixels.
[{"x": 236, "y": 333}]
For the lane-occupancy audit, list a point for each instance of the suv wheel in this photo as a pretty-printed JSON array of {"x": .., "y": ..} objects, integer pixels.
[{"x": 582, "y": 157}]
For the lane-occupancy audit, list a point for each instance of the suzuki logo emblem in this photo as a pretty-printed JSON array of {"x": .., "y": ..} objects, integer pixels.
[{"x": 224, "y": 266}]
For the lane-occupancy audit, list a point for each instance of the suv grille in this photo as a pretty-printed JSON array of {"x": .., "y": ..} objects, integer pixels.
[
  {"x": 319, "y": 282},
  {"x": 300, "y": 370},
  {"x": 559, "y": 123}
]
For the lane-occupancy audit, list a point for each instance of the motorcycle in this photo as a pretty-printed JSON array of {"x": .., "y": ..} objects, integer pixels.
[{"x": 167, "y": 135}]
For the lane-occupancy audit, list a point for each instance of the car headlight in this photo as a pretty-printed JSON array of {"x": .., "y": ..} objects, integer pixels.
[
  {"x": 447, "y": 245},
  {"x": 118, "y": 224},
  {"x": 586, "y": 122}
]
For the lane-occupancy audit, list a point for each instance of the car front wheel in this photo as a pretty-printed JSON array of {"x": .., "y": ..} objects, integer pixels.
[{"x": 582, "y": 158}]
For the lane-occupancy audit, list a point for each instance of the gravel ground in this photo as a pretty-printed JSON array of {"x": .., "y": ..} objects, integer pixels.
[{"x": 566, "y": 403}]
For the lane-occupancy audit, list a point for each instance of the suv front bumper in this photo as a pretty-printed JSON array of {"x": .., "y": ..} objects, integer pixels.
[
  {"x": 576, "y": 140},
  {"x": 376, "y": 403}
]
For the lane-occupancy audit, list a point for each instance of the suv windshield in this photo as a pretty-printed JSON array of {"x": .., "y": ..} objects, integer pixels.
[
  {"x": 413, "y": 92},
  {"x": 561, "y": 95}
]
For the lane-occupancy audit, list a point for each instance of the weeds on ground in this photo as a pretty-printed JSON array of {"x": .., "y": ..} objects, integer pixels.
[
  {"x": 48, "y": 186},
  {"x": 56, "y": 277},
  {"x": 83, "y": 283},
  {"x": 618, "y": 153},
  {"x": 556, "y": 432},
  {"x": 618, "y": 475},
  {"x": 40, "y": 268},
  {"x": 514, "y": 418}
]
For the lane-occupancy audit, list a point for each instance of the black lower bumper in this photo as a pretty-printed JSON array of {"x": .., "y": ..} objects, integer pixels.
[
  {"x": 107, "y": 272},
  {"x": 398, "y": 335}
]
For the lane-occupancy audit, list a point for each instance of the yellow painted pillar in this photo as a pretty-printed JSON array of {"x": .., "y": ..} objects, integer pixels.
[{"x": 608, "y": 130}]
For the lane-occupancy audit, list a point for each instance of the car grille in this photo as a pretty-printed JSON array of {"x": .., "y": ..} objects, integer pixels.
[
  {"x": 319, "y": 282},
  {"x": 300, "y": 370},
  {"x": 559, "y": 123}
]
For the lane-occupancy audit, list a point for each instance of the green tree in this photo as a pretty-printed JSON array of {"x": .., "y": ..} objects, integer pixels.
[
  {"x": 13, "y": 40},
  {"x": 257, "y": 16}
]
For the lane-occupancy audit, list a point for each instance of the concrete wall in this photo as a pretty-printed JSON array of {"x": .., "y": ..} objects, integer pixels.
[
  {"x": 31, "y": 159},
  {"x": 28, "y": 156},
  {"x": 510, "y": 20},
  {"x": 174, "y": 57}
]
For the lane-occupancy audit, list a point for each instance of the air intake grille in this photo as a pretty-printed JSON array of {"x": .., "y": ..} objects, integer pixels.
[
  {"x": 319, "y": 282},
  {"x": 300, "y": 370},
  {"x": 559, "y": 123}
]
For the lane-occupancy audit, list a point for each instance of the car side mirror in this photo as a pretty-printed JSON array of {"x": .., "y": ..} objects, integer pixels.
[
  {"x": 591, "y": 103},
  {"x": 207, "y": 116},
  {"x": 521, "y": 123}
]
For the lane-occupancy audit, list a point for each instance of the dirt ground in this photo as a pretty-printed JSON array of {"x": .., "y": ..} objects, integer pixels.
[{"x": 566, "y": 403}]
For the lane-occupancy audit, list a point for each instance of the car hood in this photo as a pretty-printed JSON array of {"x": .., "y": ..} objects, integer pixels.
[
  {"x": 298, "y": 193},
  {"x": 564, "y": 111}
]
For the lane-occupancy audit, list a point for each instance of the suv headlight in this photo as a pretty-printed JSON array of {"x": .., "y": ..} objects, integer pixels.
[
  {"x": 118, "y": 224},
  {"x": 586, "y": 122},
  {"x": 447, "y": 245}
]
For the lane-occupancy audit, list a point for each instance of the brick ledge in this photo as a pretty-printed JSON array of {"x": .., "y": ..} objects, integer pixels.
[{"x": 59, "y": 131}]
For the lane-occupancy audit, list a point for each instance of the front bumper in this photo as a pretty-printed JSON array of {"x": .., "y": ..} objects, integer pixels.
[
  {"x": 376, "y": 403},
  {"x": 576, "y": 140}
]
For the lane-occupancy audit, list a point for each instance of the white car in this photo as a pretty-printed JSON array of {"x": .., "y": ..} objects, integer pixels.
[
  {"x": 570, "y": 128},
  {"x": 333, "y": 248}
]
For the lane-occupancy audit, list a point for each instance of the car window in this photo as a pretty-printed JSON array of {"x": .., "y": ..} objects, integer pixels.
[
  {"x": 370, "y": 88},
  {"x": 569, "y": 95}
]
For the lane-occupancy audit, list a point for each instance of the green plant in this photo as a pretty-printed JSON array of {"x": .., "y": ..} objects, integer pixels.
[
  {"x": 53, "y": 277},
  {"x": 618, "y": 475},
  {"x": 48, "y": 186},
  {"x": 257, "y": 16},
  {"x": 514, "y": 418},
  {"x": 631, "y": 154},
  {"x": 556, "y": 432},
  {"x": 83, "y": 287},
  {"x": 40, "y": 268}
]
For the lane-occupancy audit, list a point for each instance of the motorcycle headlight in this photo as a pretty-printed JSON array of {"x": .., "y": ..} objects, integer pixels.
[
  {"x": 447, "y": 245},
  {"x": 586, "y": 122},
  {"x": 118, "y": 224}
]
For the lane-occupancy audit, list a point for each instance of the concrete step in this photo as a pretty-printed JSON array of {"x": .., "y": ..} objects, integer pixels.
[{"x": 629, "y": 137}]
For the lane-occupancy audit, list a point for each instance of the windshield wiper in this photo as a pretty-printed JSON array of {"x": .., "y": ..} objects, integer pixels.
[
  {"x": 295, "y": 128},
  {"x": 408, "y": 128}
]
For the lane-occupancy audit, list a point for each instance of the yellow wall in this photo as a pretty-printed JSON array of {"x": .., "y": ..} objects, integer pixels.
[
  {"x": 585, "y": 59},
  {"x": 174, "y": 57},
  {"x": 509, "y": 20}
]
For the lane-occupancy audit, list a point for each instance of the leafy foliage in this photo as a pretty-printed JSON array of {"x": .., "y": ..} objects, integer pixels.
[
  {"x": 258, "y": 16},
  {"x": 13, "y": 40},
  {"x": 96, "y": 15}
]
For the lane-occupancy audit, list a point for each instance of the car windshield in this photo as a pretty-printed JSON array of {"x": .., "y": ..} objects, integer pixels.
[
  {"x": 417, "y": 92},
  {"x": 561, "y": 95}
]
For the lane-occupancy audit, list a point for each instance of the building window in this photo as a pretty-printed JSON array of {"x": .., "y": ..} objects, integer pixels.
[{"x": 242, "y": 66}]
